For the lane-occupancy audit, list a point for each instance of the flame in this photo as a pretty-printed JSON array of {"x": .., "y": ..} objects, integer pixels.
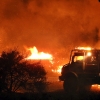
[
  {"x": 38, "y": 55},
  {"x": 58, "y": 70},
  {"x": 84, "y": 48},
  {"x": 35, "y": 55}
]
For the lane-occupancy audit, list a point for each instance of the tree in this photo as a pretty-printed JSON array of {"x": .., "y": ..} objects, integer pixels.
[{"x": 16, "y": 72}]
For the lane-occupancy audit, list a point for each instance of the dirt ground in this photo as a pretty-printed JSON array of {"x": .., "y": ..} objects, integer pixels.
[
  {"x": 55, "y": 92},
  {"x": 55, "y": 85}
]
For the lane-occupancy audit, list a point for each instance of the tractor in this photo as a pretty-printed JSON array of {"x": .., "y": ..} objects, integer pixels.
[{"x": 82, "y": 70}]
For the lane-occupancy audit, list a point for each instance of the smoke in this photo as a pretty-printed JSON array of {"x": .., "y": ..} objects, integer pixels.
[
  {"x": 91, "y": 38},
  {"x": 50, "y": 25}
]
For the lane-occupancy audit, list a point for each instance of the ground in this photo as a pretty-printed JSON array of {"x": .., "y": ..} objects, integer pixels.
[{"x": 55, "y": 92}]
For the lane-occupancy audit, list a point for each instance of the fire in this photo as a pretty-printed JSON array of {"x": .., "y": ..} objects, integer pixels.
[
  {"x": 84, "y": 48},
  {"x": 58, "y": 70},
  {"x": 35, "y": 55}
]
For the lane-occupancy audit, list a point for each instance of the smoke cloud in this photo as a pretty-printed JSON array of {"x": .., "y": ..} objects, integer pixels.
[{"x": 50, "y": 25}]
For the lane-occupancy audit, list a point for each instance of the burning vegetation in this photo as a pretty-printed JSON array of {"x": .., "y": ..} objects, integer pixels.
[
  {"x": 35, "y": 55},
  {"x": 45, "y": 58}
]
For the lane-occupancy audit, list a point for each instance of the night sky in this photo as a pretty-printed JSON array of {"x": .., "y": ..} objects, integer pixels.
[{"x": 53, "y": 26}]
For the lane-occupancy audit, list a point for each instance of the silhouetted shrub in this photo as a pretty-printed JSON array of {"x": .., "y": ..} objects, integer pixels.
[{"x": 16, "y": 73}]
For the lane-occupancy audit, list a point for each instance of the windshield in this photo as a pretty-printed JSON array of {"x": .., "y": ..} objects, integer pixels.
[
  {"x": 78, "y": 58},
  {"x": 87, "y": 59},
  {"x": 88, "y": 56}
]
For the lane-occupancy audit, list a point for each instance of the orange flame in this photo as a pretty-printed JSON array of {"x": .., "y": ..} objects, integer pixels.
[
  {"x": 58, "y": 70},
  {"x": 35, "y": 55},
  {"x": 38, "y": 55},
  {"x": 84, "y": 48}
]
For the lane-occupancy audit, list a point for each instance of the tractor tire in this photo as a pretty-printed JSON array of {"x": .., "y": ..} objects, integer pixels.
[{"x": 70, "y": 84}]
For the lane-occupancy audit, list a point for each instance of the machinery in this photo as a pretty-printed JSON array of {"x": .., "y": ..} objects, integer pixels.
[{"x": 82, "y": 70}]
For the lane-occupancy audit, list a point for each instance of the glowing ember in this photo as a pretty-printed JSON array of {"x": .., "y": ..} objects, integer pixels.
[
  {"x": 95, "y": 87},
  {"x": 38, "y": 55}
]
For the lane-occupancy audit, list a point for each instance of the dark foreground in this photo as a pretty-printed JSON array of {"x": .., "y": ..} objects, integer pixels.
[
  {"x": 55, "y": 95},
  {"x": 55, "y": 92}
]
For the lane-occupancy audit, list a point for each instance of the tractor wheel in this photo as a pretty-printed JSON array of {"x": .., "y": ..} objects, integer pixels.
[{"x": 70, "y": 84}]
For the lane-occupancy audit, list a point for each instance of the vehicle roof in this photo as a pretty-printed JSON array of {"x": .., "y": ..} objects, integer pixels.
[{"x": 83, "y": 51}]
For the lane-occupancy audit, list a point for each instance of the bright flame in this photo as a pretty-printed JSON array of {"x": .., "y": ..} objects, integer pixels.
[
  {"x": 38, "y": 55},
  {"x": 84, "y": 48},
  {"x": 35, "y": 55}
]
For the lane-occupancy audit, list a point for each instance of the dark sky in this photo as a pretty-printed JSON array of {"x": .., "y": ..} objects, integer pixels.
[{"x": 53, "y": 26}]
